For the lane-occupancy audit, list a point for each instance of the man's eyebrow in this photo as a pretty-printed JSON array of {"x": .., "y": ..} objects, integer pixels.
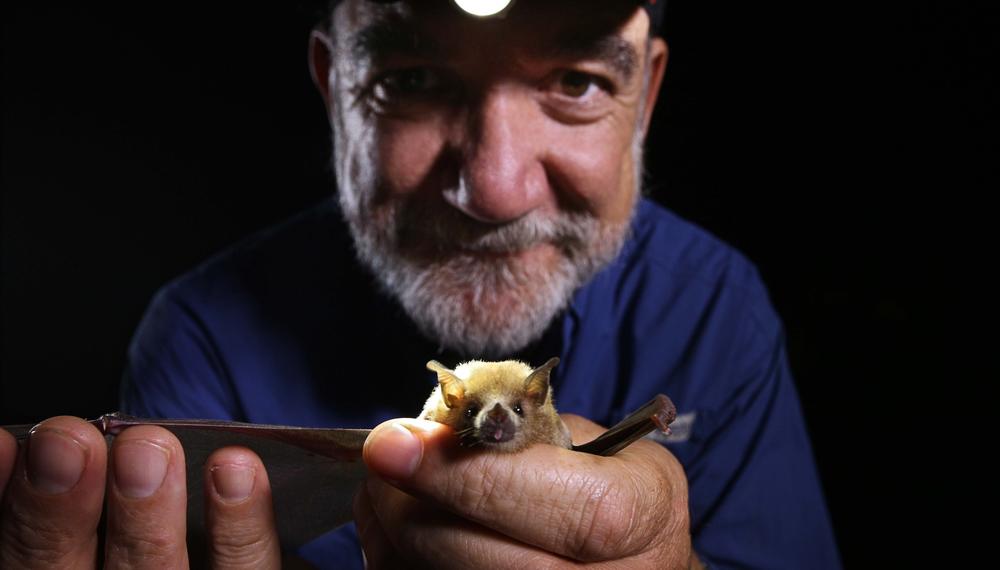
[
  {"x": 614, "y": 51},
  {"x": 391, "y": 36}
]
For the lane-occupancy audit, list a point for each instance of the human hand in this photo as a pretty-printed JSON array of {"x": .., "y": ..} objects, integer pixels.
[
  {"x": 56, "y": 486},
  {"x": 429, "y": 503}
]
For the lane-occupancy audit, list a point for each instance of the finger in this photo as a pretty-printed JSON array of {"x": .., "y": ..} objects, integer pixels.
[
  {"x": 8, "y": 456},
  {"x": 578, "y": 505},
  {"x": 433, "y": 538},
  {"x": 147, "y": 501},
  {"x": 239, "y": 511},
  {"x": 54, "y": 496},
  {"x": 379, "y": 552}
]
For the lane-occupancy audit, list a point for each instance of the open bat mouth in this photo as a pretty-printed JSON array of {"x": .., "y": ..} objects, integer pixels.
[
  {"x": 498, "y": 435},
  {"x": 493, "y": 432},
  {"x": 486, "y": 435}
]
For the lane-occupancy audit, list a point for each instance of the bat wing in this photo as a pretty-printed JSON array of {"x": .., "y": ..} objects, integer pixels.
[
  {"x": 314, "y": 473},
  {"x": 312, "y": 491}
]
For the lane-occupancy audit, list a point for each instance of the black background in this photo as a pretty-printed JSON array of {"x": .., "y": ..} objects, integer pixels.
[{"x": 847, "y": 150}]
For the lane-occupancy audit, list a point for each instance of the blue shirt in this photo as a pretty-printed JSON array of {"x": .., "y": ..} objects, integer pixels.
[{"x": 286, "y": 328}]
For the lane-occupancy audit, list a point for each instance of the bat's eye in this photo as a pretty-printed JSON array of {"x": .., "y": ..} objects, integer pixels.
[
  {"x": 518, "y": 410},
  {"x": 471, "y": 411}
]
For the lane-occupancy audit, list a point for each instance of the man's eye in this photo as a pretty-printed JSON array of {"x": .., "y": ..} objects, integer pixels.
[
  {"x": 577, "y": 84},
  {"x": 406, "y": 83},
  {"x": 574, "y": 96}
]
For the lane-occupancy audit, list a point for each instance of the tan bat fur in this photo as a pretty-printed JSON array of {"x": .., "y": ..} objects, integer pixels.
[{"x": 481, "y": 401}]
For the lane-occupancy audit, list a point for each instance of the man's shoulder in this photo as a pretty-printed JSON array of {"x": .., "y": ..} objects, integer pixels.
[
  {"x": 676, "y": 284},
  {"x": 675, "y": 287},
  {"x": 235, "y": 324},
  {"x": 680, "y": 312},
  {"x": 295, "y": 252},
  {"x": 671, "y": 252}
]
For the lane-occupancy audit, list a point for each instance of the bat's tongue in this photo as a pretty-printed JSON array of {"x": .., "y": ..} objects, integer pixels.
[{"x": 496, "y": 428}]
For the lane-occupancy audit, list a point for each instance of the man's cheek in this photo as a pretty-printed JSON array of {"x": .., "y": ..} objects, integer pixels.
[
  {"x": 409, "y": 156},
  {"x": 592, "y": 172}
]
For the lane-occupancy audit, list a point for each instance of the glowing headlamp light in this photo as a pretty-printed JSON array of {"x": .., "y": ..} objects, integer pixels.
[{"x": 483, "y": 8}]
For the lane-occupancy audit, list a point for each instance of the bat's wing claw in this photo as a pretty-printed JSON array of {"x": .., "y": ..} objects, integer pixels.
[
  {"x": 658, "y": 413},
  {"x": 664, "y": 413}
]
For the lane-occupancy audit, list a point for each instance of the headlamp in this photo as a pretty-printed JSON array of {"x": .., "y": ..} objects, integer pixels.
[{"x": 483, "y": 8}]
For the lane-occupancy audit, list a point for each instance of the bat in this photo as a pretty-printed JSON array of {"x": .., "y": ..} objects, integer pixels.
[
  {"x": 314, "y": 471},
  {"x": 500, "y": 406}
]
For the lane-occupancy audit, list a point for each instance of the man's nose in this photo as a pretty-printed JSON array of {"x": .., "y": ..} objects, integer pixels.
[{"x": 501, "y": 175}]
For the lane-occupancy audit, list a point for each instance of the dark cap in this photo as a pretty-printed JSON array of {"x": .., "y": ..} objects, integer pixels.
[{"x": 655, "y": 9}]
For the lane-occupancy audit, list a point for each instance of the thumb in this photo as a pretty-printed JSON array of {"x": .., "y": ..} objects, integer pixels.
[{"x": 394, "y": 449}]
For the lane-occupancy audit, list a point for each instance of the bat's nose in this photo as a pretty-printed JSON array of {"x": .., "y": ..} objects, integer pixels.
[
  {"x": 497, "y": 426},
  {"x": 498, "y": 414}
]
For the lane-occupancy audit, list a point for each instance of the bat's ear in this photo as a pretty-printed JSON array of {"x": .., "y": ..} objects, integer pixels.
[
  {"x": 536, "y": 385},
  {"x": 452, "y": 388}
]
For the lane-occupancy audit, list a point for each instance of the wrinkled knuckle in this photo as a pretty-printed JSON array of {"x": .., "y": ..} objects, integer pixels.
[
  {"x": 617, "y": 518},
  {"x": 604, "y": 526},
  {"x": 134, "y": 550},
  {"x": 667, "y": 522},
  {"x": 244, "y": 548},
  {"x": 481, "y": 487},
  {"x": 670, "y": 499},
  {"x": 485, "y": 494},
  {"x": 32, "y": 541}
]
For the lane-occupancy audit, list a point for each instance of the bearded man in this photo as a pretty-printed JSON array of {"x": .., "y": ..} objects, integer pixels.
[{"x": 488, "y": 206}]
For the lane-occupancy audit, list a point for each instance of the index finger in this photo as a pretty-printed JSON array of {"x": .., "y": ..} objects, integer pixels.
[
  {"x": 147, "y": 500},
  {"x": 579, "y": 505},
  {"x": 54, "y": 495}
]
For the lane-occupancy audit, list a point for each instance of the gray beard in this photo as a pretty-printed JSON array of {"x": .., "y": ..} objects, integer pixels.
[
  {"x": 448, "y": 271},
  {"x": 457, "y": 285}
]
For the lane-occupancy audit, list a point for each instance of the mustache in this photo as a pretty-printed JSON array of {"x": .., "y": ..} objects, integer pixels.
[{"x": 445, "y": 229}]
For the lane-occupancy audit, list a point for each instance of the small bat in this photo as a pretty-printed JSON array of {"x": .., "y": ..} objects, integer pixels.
[{"x": 504, "y": 406}]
